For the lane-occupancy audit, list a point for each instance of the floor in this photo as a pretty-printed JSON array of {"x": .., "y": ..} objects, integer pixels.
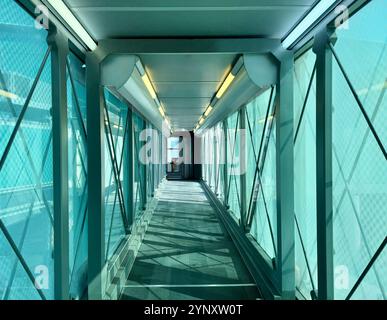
[{"x": 186, "y": 253}]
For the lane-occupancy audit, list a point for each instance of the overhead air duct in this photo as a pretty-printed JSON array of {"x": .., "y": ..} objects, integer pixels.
[
  {"x": 251, "y": 75},
  {"x": 126, "y": 74}
]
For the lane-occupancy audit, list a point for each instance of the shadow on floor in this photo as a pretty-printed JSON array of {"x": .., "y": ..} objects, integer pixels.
[{"x": 186, "y": 254}]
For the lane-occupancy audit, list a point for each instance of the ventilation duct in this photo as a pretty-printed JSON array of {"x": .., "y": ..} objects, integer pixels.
[
  {"x": 254, "y": 73},
  {"x": 124, "y": 73}
]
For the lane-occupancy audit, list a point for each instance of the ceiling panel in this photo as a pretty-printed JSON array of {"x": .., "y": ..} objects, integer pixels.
[
  {"x": 181, "y": 112},
  {"x": 187, "y": 67},
  {"x": 204, "y": 89},
  {"x": 122, "y": 18},
  {"x": 186, "y": 83},
  {"x": 185, "y": 103}
]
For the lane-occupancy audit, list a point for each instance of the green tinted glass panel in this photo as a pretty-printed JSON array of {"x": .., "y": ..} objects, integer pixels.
[
  {"x": 219, "y": 160},
  {"x": 261, "y": 197},
  {"x": 77, "y": 146},
  {"x": 305, "y": 173},
  {"x": 26, "y": 176},
  {"x": 359, "y": 167},
  {"x": 115, "y": 207},
  {"x": 233, "y": 164},
  {"x": 138, "y": 167}
]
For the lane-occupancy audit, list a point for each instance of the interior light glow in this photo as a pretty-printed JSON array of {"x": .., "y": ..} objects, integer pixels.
[
  {"x": 208, "y": 111},
  {"x": 201, "y": 121},
  {"x": 318, "y": 10},
  {"x": 225, "y": 85},
  {"x": 73, "y": 23},
  {"x": 149, "y": 86},
  {"x": 161, "y": 110}
]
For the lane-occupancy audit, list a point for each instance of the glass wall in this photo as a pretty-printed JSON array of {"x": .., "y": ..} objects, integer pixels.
[
  {"x": 219, "y": 160},
  {"x": 260, "y": 149},
  {"x": 211, "y": 163},
  {"x": 149, "y": 140},
  {"x": 116, "y": 126},
  {"x": 139, "y": 198},
  {"x": 358, "y": 159},
  {"x": 26, "y": 168},
  {"x": 304, "y": 173},
  {"x": 256, "y": 145},
  {"x": 77, "y": 171},
  {"x": 233, "y": 165},
  {"x": 205, "y": 159}
]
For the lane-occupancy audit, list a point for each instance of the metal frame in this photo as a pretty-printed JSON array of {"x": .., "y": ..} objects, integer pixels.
[
  {"x": 82, "y": 213},
  {"x": 243, "y": 166},
  {"x": 325, "y": 271},
  {"x": 96, "y": 185},
  {"x": 225, "y": 173},
  {"x": 128, "y": 172},
  {"x": 285, "y": 181},
  {"x": 59, "y": 44},
  {"x": 183, "y": 46}
]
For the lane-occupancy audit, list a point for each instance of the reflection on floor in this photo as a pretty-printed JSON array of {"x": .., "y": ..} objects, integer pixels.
[{"x": 186, "y": 254}]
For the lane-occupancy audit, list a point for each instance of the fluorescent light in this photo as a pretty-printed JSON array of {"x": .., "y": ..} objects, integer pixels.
[
  {"x": 225, "y": 85},
  {"x": 149, "y": 86},
  {"x": 208, "y": 111},
  {"x": 318, "y": 10},
  {"x": 201, "y": 120},
  {"x": 73, "y": 23},
  {"x": 167, "y": 122},
  {"x": 8, "y": 95},
  {"x": 161, "y": 110}
]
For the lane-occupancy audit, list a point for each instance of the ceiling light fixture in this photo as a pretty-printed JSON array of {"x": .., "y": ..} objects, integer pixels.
[
  {"x": 167, "y": 122},
  {"x": 161, "y": 110},
  {"x": 208, "y": 111},
  {"x": 149, "y": 86},
  {"x": 72, "y": 22},
  {"x": 318, "y": 10},
  {"x": 225, "y": 85}
]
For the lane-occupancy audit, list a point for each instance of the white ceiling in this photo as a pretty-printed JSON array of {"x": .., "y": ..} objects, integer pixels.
[{"x": 185, "y": 83}]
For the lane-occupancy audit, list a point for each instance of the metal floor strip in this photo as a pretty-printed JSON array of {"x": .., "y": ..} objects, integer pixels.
[{"x": 190, "y": 285}]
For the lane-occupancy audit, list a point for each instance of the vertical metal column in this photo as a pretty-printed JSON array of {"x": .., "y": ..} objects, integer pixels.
[
  {"x": 96, "y": 177},
  {"x": 242, "y": 165},
  {"x": 225, "y": 176},
  {"x": 324, "y": 165},
  {"x": 128, "y": 169},
  {"x": 59, "y": 52},
  {"x": 144, "y": 168},
  {"x": 215, "y": 161},
  {"x": 285, "y": 263}
]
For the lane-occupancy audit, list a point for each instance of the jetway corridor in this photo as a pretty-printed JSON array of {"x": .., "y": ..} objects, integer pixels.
[
  {"x": 187, "y": 253},
  {"x": 193, "y": 150}
]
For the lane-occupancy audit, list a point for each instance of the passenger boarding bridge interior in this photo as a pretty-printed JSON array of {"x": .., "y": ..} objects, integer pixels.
[{"x": 180, "y": 150}]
